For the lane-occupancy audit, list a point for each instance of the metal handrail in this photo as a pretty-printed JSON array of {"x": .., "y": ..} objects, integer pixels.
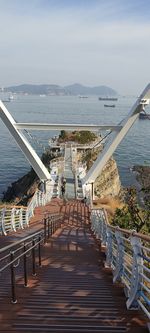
[
  {"x": 11, "y": 255},
  {"x": 10, "y": 206},
  {"x": 128, "y": 255}
]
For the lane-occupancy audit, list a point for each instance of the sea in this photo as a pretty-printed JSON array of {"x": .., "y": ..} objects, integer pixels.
[{"x": 133, "y": 150}]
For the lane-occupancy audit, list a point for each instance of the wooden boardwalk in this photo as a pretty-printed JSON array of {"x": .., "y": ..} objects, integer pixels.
[{"x": 72, "y": 291}]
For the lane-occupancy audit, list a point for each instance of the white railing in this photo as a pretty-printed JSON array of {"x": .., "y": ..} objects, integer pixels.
[
  {"x": 88, "y": 197},
  {"x": 12, "y": 218},
  {"x": 128, "y": 254},
  {"x": 17, "y": 217}
]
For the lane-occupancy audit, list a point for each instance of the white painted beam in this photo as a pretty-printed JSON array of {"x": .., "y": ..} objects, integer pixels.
[
  {"x": 24, "y": 145},
  {"x": 116, "y": 138},
  {"x": 68, "y": 127}
]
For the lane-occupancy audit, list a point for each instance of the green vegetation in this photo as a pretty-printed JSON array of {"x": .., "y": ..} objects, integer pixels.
[
  {"x": 132, "y": 216},
  {"x": 84, "y": 137},
  {"x": 63, "y": 135},
  {"x": 90, "y": 156},
  {"x": 81, "y": 137}
]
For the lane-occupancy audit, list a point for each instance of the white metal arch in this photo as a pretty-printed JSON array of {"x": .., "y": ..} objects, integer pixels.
[{"x": 118, "y": 134}]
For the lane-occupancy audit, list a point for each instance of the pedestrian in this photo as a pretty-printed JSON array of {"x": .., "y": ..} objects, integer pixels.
[{"x": 62, "y": 190}]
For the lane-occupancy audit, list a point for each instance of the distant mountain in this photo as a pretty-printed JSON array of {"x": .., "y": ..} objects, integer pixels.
[
  {"x": 79, "y": 89},
  {"x": 52, "y": 89},
  {"x": 41, "y": 89}
]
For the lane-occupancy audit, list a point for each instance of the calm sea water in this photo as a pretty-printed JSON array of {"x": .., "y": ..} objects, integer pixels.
[{"x": 134, "y": 149}]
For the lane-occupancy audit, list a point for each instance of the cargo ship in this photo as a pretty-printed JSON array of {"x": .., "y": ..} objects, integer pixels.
[{"x": 108, "y": 99}]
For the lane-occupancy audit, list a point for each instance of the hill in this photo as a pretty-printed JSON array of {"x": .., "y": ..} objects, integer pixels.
[
  {"x": 52, "y": 89},
  {"x": 33, "y": 89},
  {"x": 79, "y": 89}
]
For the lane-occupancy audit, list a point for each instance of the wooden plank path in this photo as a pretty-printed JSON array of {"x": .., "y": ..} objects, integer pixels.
[{"x": 72, "y": 291}]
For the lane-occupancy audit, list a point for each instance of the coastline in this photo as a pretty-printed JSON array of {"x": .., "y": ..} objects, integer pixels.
[{"x": 22, "y": 190}]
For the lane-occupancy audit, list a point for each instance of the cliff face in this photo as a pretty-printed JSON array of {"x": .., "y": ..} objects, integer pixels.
[
  {"x": 23, "y": 189},
  {"x": 108, "y": 183}
]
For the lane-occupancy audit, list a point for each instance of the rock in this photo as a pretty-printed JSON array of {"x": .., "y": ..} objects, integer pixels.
[
  {"x": 21, "y": 190},
  {"x": 108, "y": 183}
]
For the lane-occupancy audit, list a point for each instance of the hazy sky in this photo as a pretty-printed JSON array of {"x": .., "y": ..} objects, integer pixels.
[{"x": 93, "y": 42}]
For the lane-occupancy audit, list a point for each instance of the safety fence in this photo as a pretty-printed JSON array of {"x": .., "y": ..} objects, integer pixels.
[
  {"x": 128, "y": 254},
  {"x": 17, "y": 217},
  {"x": 22, "y": 258}
]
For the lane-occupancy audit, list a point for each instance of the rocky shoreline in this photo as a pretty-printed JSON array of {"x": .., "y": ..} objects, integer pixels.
[{"x": 22, "y": 190}]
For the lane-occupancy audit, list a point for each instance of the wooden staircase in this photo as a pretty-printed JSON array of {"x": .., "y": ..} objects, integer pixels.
[{"x": 72, "y": 291}]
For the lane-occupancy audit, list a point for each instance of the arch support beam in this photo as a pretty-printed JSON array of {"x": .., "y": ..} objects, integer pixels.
[
  {"x": 66, "y": 127},
  {"x": 23, "y": 144},
  {"x": 117, "y": 137}
]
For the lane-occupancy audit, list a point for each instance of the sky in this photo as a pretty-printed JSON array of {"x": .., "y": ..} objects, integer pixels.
[{"x": 92, "y": 42}]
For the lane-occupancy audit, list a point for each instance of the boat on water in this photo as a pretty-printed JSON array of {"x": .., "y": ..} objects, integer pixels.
[
  {"x": 109, "y": 105},
  {"x": 144, "y": 115},
  {"x": 108, "y": 99},
  {"x": 8, "y": 99},
  {"x": 11, "y": 98},
  {"x": 5, "y": 100}
]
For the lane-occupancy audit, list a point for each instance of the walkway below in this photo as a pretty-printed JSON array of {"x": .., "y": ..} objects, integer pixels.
[
  {"x": 72, "y": 291},
  {"x": 68, "y": 174}
]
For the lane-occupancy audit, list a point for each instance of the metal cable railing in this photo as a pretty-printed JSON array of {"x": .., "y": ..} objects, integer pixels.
[
  {"x": 128, "y": 254},
  {"x": 22, "y": 258}
]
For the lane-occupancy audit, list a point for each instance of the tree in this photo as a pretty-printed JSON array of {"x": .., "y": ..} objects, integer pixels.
[
  {"x": 132, "y": 216},
  {"x": 63, "y": 134}
]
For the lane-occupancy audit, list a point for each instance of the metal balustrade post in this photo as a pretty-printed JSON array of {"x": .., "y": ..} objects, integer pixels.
[
  {"x": 3, "y": 221},
  {"x": 21, "y": 219},
  {"x": 108, "y": 248},
  {"x": 27, "y": 218},
  {"x": 51, "y": 225},
  {"x": 99, "y": 225},
  {"x": 13, "y": 219},
  {"x": 92, "y": 221},
  {"x": 39, "y": 199},
  {"x": 45, "y": 233},
  {"x": 120, "y": 256},
  {"x": 13, "y": 280},
  {"x": 96, "y": 226},
  {"x": 48, "y": 234},
  {"x": 104, "y": 234},
  {"x": 36, "y": 199},
  {"x": 33, "y": 258},
  {"x": 25, "y": 267},
  {"x": 39, "y": 250},
  {"x": 137, "y": 269}
]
